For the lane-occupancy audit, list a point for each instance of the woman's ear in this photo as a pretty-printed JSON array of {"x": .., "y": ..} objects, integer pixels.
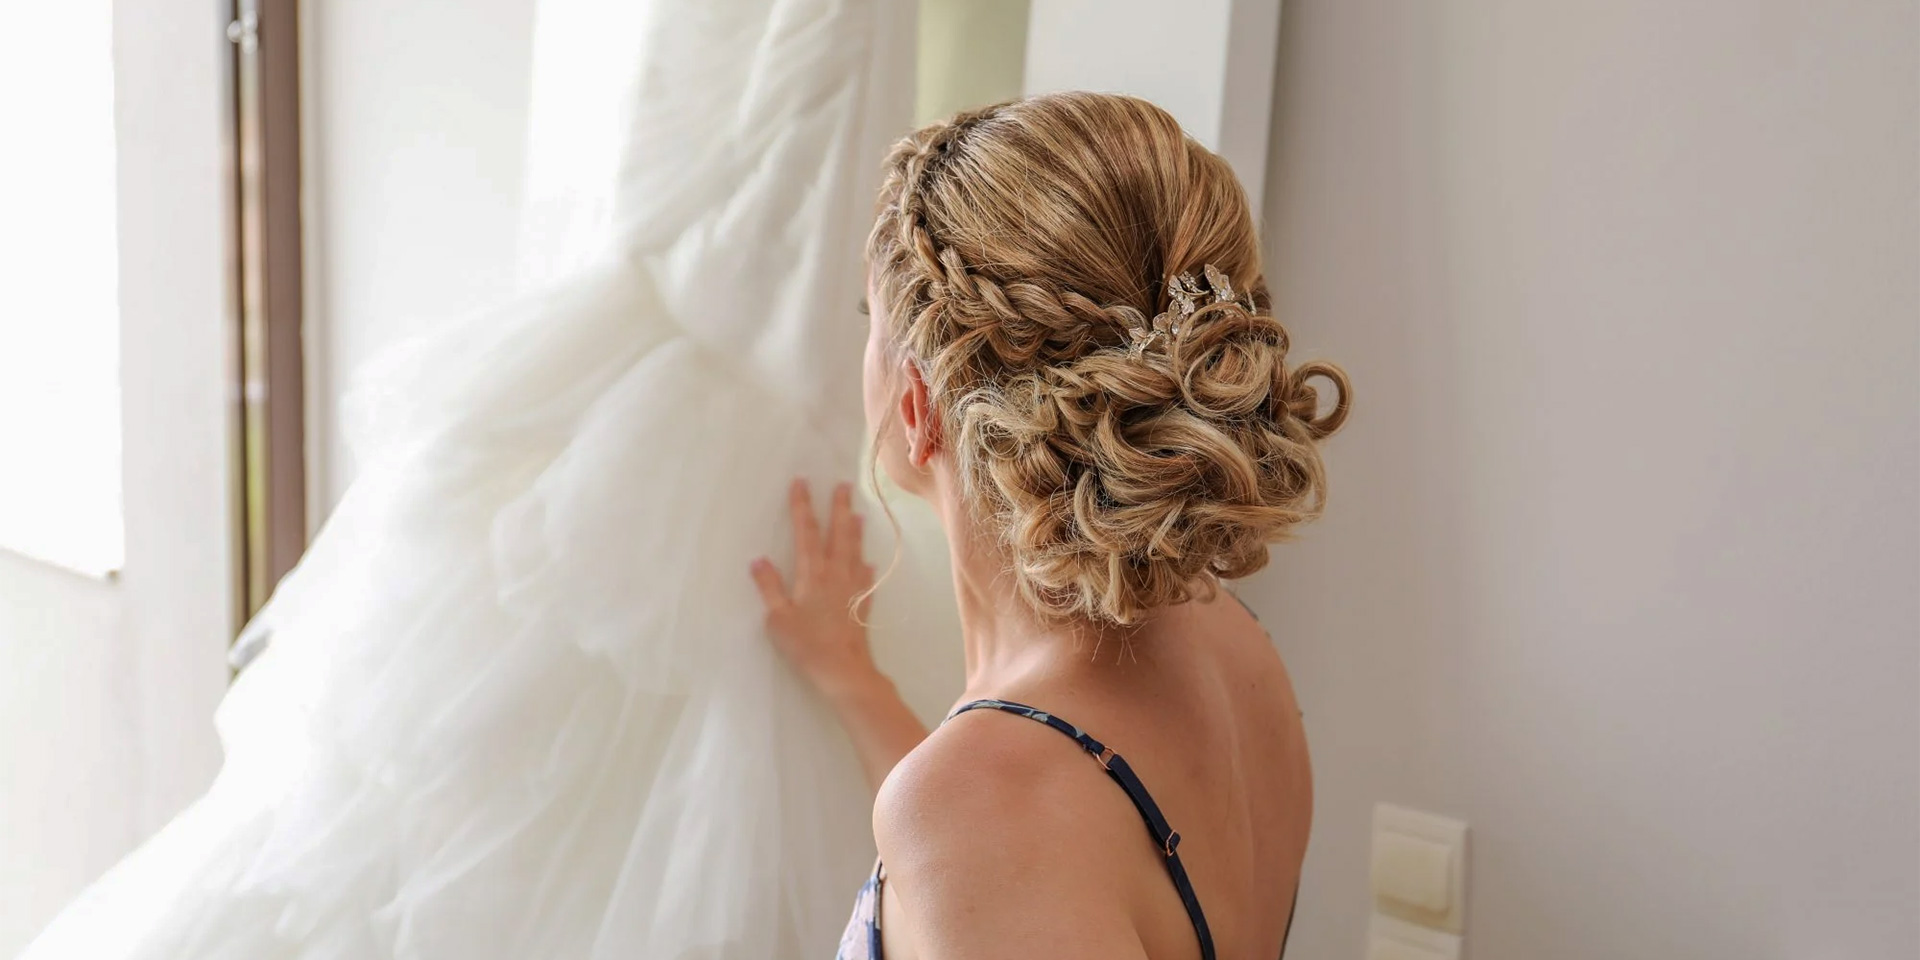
[{"x": 923, "y": 429}]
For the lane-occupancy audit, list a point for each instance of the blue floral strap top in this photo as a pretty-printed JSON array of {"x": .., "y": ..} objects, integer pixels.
[{"x": 861, "y": 941}]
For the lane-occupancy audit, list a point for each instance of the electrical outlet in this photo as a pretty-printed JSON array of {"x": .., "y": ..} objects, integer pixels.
[{"x": 1419, "y": 868}]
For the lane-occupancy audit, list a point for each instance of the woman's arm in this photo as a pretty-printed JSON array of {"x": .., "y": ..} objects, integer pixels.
[{"x": 813, "y": 621}]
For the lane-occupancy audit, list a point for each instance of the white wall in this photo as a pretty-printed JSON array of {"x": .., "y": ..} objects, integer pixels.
[
  {"x": 1622, "y": 559},
  {"x": 1207, "y": 62},
  {"x": 416, "y": 117},
  {"x": 66, "y": 745},
  {"x": 177, "y": 337}
]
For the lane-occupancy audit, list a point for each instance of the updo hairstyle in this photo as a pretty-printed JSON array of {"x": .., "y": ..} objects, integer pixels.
[{"x": 1022, "y": 255}]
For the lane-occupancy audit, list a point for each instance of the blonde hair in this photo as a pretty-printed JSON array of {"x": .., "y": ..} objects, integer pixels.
[{"x": 1016, "y": 251}]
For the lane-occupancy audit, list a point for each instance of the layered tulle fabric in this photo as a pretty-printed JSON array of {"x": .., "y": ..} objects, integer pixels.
[{"x": 517, "y": 701}]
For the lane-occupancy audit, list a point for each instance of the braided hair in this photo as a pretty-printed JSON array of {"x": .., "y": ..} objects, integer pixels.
[{"x": 1017, "y": 252}]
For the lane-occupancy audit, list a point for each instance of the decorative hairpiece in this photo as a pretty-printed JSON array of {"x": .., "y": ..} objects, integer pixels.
[{"x": 1185, "y": 293}]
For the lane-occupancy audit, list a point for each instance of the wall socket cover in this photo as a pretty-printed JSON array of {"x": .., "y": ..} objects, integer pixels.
[
  {"x": 1390, "y": 939},
  {"x": 1419, "y": 868}
]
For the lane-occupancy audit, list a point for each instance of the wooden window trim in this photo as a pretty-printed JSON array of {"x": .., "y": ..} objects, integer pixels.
[{"x": 271, "y": 499}]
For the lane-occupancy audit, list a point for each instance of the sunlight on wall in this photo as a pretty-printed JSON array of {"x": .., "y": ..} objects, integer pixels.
[
  {"x": 60, "y": 486},
  {"x": 972, "y": 53}
]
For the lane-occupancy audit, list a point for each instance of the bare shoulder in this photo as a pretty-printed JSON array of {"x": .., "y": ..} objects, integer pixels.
[
  {"x": 982, "y": 782},
  {"x": 985, "y": 836}
]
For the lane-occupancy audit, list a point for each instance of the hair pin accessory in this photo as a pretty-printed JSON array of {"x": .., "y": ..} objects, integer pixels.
[{"x": 1186, "y": 294}]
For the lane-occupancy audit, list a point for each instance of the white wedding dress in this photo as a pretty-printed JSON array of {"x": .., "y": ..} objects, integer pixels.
[{"x": 517, "y": 701}]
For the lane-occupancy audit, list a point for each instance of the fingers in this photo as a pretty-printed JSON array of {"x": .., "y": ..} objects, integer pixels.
[
  {"x": 806, "y": 528},
  {"x": 844, "y": 539},
  {"x": 773, "y": 589}
]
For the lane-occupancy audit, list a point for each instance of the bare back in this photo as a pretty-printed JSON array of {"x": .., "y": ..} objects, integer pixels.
[{"x": 1201, "y": 707}]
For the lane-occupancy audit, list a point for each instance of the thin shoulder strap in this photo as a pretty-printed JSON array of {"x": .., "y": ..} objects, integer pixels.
[{"x": 1164, "y": 836}]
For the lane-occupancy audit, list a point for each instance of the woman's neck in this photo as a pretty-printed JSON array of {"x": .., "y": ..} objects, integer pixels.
[{"x": 1004, "y": 640}]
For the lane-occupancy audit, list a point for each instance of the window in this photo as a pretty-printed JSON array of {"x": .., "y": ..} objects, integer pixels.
[{"x": 60, "y": 483}]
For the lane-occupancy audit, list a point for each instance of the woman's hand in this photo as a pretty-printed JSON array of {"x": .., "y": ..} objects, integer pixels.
[
  {"x": 813, "y": 619},
  {"x": 816, "y": 622}
]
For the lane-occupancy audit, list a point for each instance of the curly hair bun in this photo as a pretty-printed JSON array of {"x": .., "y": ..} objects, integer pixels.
[{"x": 1132, "y": 453}]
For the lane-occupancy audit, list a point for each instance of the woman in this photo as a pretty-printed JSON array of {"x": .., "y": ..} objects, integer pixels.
[{"x": 1071, "y": 358}]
